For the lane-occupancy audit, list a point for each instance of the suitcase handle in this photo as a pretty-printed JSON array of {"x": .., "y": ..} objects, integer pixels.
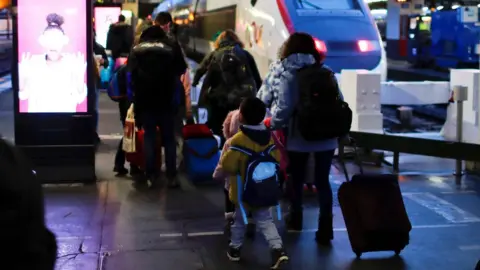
[
  {"x": 185, "y": 121},
  {"x": 351, "y": 142}
]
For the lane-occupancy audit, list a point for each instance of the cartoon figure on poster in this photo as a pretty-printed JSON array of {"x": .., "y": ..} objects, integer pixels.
[{"x": 52, "y": 82}]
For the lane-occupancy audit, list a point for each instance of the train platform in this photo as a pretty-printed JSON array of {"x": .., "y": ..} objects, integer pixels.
[
  {"x": 403, "y": 71},
  {"x": 112, "y": 226}
]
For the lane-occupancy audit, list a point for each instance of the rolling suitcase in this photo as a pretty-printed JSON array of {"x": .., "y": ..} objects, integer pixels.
[
  {"x": 200, "y": 156},
  {"x": 200, "y": 151},
  {"x": 374, "y": 212}
]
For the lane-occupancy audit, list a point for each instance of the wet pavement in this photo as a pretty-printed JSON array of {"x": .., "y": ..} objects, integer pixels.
[{"x": 112, "y": 226}]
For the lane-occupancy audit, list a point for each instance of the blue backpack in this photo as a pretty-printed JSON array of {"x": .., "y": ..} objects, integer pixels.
[
  {"x": 261, "y": 186},
  {"x": 117, "y": 82}
]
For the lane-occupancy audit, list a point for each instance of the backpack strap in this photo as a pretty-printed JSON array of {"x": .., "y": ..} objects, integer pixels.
[
  {"x": 240, "y": 186},
  {"x": 244, "y": 150},
  {"x": 269, "y": 149}
]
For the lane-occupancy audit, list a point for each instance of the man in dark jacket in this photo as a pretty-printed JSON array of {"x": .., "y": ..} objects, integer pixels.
[
  {"x": 119, "y": 38},
  {"x": 164, "y": 20},
  {"x": 156, "y": 64}
]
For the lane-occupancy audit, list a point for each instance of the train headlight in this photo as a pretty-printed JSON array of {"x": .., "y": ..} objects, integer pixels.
[
  {"x": 320, "y": 45},
  {"x": 368, "y": 45}
]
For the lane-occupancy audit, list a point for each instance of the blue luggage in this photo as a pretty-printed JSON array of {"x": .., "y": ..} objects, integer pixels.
[
  {"x": 200, "y": 157},
  {"x": 113, "y": 89},
  {"x": 106, "y": 73}
]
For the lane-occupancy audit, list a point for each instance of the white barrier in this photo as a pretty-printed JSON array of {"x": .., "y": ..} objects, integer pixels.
[
  {"x": 361, "y": 90},
  {"x": 415, "y": 93},
  {"x": 469, "y": 78},
  {"x": 365, "y": 93}
]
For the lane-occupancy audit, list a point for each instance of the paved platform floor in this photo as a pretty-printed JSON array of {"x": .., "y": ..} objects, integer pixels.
[
  {"x": 115, "y": 227},
  {"x": 112, "y": 226}
]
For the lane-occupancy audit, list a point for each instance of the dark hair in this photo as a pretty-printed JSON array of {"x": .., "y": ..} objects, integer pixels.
[
  {"x": 253, "y": 111},
  {"x": 163, "y": 18},
  {"x": 301, "y": 43},
  {"x": 152, "y": 33},
  {"x": 121, "y": 18},
  {"x": 54, "y": 21}
]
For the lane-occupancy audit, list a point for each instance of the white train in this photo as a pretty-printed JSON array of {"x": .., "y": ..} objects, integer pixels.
[{"x": 344, "y": 29}]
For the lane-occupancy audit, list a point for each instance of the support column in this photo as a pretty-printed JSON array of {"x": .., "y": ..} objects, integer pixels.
[
  {"x": 471, "y": 112},
  {"x": 398, "y": 21}
]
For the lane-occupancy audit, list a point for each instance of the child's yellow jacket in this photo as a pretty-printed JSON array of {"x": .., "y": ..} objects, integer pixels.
[{"x": 235, "y": 163}]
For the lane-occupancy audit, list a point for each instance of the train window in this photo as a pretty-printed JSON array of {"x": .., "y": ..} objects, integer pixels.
[
  {"x": 253, "y": 2},
  {"x": 328, "y": 4}
]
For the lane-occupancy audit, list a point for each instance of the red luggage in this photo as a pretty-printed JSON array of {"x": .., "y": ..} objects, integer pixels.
[
  {"x": 192, "y": 130},
  {"x": 374, "y": 213},
  {"x": 138, "y": 157}
]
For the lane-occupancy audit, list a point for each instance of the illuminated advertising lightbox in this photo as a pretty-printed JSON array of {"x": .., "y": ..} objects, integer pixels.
[
  {"x": 52, "y": 53},
  {"x": 104, "y": 17}
]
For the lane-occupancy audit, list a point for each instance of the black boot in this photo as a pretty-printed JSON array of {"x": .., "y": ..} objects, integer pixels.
[
  {"x": 324, "y": 234},
  {"x": 294, "y": 221}
]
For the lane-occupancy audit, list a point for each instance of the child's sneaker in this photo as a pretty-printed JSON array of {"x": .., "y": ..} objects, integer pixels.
[
  {"x": 279, "y": 257},
  {"x": 233, "y": 254}
]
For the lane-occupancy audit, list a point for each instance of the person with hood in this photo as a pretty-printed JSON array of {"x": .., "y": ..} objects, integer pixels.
[
  {"x": 155, "y": 65},
  {"x": 224, "y": 87},
  {"x": 280, "y": 92},
  {"x": 119, "y": 38}
]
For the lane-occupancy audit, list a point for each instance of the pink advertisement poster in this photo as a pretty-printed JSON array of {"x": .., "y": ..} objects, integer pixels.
[
  {"x": 104, "y": 17},
  {"x": 52, "y": 56}
]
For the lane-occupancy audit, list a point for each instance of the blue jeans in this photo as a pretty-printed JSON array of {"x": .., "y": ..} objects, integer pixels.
[
  {"x": 166, "y": 123},
  {"x": 264, "y": 221}
]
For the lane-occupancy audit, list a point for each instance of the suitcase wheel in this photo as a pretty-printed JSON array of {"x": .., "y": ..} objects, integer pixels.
[
  {"x": 358, "y": 253},
  {"x": 397, "y": 252}
]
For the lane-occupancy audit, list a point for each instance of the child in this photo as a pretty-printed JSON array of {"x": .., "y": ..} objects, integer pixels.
[
  {"x": 231, "y": 125},
  {"x": 252, "y": 162}
]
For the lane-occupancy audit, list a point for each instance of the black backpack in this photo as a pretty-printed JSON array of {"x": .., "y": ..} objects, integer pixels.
[
  {"x": 260, "y": 188},
  {"x": 26, "y": 241},
  {"x": 237, "y": 78},
  {"x": 321, "y": 113}
]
